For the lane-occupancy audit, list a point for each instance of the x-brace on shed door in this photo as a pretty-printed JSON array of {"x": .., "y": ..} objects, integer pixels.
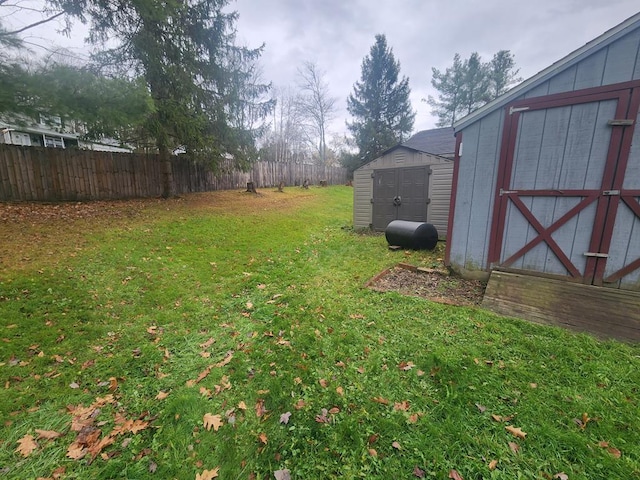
[{"x": 568, "y": 187}]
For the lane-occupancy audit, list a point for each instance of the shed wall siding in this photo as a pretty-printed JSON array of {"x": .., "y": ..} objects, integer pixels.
[
  {"x": 476, "y": 184},
  {"x": 440, "y": 194},
  {"x": 362, "y": 195},
  {"x": 615, "y": 63}
]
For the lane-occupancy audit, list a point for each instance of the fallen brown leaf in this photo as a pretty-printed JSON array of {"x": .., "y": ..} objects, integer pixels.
[
  {"x": 413, "y": 418},
  {"x": 282, "y": 474},
  {"x": 76, "y": 451},
  {"x": 48, "y": 434},
  {"x": 26, "y": 445},
  {"x": 322, "y": 418},
  {"x": 260, "y": 410},
  {"x": 406, "y": 366},
  {"x": 113, "y": 384},
  {"x": 208, "y": 343},
  {"x": 284, "y": 418},
  {"x": 212, "y": 421},
  {"x": 401, "y": 406},
  {"x": 493, "y": 464},
  {"x": 162, "y": 395},
  {"x": 454, "y": 475},
  {"x": 208, "y": 474},
  {"x": 615, "y": 452},
  {"x": 228, "y": 357},
  {"x": 515, "y": 431}
]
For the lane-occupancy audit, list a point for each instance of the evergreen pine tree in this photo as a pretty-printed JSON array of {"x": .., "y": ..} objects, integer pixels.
[
  {"x": 469, "y": 84},
  {"x": 379, "y": 104}
]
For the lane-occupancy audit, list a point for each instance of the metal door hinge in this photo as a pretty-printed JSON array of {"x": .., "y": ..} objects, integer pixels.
[
  {"x": 513, "y": 110},
  {"x": 610, "y": 193},
  {"x": 597, "y": 255},
  {"x": 507, "y": 192},
  {"x": 620, "y": 122}
]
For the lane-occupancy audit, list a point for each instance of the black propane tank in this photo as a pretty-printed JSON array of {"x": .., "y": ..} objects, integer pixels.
[{"x": 413, "y": 235}]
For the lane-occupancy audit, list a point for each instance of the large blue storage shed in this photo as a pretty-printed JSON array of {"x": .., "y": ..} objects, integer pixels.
[{"x": 546, "y": 191}]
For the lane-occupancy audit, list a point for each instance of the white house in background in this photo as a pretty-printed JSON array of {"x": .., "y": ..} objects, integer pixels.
[{"x": 49, "y": 131}]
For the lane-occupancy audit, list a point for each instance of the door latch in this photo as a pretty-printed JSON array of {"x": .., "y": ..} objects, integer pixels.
[{"x": 397, "y": 201}]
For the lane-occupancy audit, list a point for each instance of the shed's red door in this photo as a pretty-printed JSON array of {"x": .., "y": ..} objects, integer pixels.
[{"x": 568, "y": 187}]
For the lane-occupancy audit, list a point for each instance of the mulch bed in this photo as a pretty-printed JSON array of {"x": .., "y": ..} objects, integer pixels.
[{"x": 434, "y": 284}]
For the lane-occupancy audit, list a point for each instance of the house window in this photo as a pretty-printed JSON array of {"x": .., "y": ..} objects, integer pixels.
[
  {"x": 20, "y": 139},
  {"x": 50, "y": 120},
  {"x": 53, "y": 142}
]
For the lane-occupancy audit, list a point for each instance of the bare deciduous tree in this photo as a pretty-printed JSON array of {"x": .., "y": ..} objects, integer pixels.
[
  {"x": 287, "y": 140},
  {"x": 316, "y": 104}
]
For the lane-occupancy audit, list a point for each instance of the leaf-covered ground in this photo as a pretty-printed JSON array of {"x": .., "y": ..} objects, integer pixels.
[
  {"x": 231, "y": 335},
  {"x": 435, "y": 284}
]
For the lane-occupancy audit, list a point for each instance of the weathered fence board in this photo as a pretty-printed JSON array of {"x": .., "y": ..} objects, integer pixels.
[{"x": 51, "y": 174}]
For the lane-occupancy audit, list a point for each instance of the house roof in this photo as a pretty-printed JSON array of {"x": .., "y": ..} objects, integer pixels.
[
  {"x": 574, "y": 57},
  {"x": 37, "y": 130},
  {"x": 438, "y": 141}
]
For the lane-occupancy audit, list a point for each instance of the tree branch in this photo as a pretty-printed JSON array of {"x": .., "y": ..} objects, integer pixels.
[{"x": 20, "y": 30}]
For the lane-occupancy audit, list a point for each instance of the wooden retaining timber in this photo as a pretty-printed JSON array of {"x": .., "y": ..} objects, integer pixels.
[
  {"x": 52, "y": 174},
  {"x": 604, "y": 312}
]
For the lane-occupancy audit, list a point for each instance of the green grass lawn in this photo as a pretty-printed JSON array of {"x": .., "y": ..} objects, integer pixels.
[{"x": 230, "y": 335}]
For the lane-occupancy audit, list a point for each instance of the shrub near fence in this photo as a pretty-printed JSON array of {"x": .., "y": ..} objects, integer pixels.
[{"x": 51, "y": 174}]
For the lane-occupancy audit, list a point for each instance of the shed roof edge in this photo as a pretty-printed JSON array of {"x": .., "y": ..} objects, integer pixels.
[{"x": 572, "y": 58}]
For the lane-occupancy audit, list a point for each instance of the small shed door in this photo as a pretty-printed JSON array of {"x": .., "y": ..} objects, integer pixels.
[
  {"x": 566, "y": 198},
  {"x": 400, "y": 194},
  {"x": 385, "y": 189}
]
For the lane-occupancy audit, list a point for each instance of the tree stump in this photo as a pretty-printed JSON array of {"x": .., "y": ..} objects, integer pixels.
[
  {"x": 305, "y": 184},
  {"x": 251, "y": 188}
]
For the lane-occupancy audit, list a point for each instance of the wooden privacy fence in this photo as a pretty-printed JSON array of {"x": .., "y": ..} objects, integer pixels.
[{"x": 51, "y": 174}]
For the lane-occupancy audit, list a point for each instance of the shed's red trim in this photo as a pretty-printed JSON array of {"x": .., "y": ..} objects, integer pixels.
[
  {"x": 504, "y": 176},
  {"x": 607, "y": 208},
  {"x": 544, "y": 234},
  {"x": 547, "y": 101},
  {"x": 620, "y": 163},
  {"x": 620, "y": 92},
  {"x": 452, "y": 200}
]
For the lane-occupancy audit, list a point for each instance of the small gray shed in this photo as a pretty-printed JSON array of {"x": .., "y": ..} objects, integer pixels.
[
  {"x": 547, "y": 187},
  {"x": 411, "y": 181}
]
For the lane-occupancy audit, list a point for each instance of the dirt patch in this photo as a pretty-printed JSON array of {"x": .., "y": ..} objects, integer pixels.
[{"x": 434, "y": 284}]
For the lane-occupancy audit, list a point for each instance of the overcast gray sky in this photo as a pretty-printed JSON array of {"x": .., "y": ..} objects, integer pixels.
[{"x": 337, "y": 35}]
